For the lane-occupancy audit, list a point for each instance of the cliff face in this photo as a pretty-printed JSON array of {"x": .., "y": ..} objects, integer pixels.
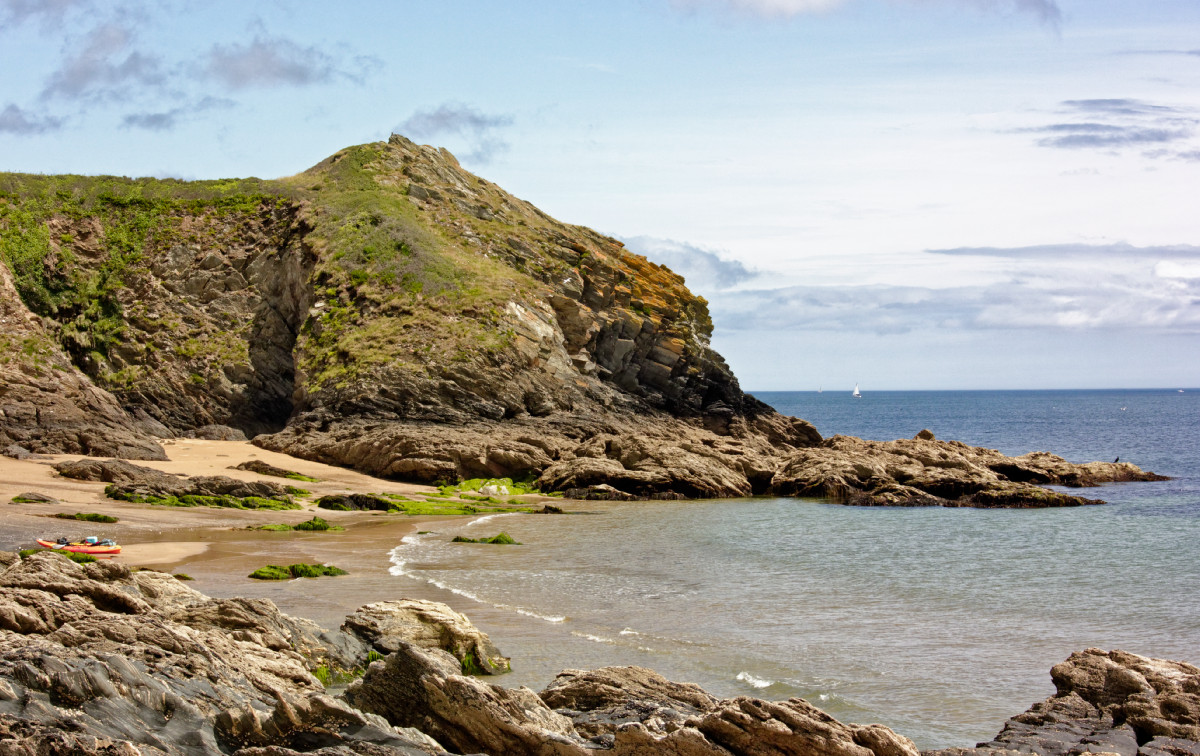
[
  {"x": 389, "y": 311},
  {"x": 385, "y": 309}
]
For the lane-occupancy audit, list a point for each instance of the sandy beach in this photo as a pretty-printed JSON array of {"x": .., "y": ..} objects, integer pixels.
[{"x": 215, "y": 546}]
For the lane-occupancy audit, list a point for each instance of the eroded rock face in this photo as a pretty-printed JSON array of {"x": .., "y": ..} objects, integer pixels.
[
  {"x": 444, "y": 329},
  {"x": 927, "y": 472},
  {"x": 1107, "y": 702},
  {"x": 49, "y": 406}
]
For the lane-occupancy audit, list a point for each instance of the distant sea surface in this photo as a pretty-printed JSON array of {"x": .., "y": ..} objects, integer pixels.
[{"x": 940, "y": 623}]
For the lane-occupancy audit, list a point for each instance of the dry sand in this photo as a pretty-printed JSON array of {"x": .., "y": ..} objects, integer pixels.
[{"x": 213, "y": 545}]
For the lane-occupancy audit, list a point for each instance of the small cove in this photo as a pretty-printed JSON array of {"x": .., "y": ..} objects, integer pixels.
[{"x": 938, "y": 623}]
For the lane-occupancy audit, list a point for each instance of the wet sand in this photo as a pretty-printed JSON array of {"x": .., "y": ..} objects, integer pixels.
[{"x": 213, "y": 545}]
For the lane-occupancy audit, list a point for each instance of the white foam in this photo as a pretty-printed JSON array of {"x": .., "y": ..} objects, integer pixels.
[
  {"x": 630, "y": 631},
  {"x": 485, "y": 518},
  {"x": 535, "y": 615},
  {"x": 593, "y": 638},
  {"x": 754, "y": 682}
]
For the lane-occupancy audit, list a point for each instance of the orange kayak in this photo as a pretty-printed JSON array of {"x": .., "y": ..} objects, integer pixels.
[{"x": 82, "y": 548}]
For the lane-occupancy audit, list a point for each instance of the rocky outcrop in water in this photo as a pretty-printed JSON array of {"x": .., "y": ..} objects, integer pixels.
[
  {"x": 926, "y": 472},
  {"x": 1107, "y": 702},
  {"x": 386, "y": 624}
]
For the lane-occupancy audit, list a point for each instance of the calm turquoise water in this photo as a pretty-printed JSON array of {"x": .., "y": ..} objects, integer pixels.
[{"x": 938, "y": 623}]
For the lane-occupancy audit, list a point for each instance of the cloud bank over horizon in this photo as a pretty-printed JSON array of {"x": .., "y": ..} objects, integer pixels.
[
  {"x": 1047, "y": 11},
  {"x": 1063, "y": 287}
]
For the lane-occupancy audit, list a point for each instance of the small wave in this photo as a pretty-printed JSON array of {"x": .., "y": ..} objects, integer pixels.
[
  {"x": 456, "y": 591},
  {"x": 630, "y": 631},
  {"x": 485, "y": 518},
  {"x": 535, "y": 615},
  {"x": 754, "y": 682},
  {"x": 593, "y": 638}
]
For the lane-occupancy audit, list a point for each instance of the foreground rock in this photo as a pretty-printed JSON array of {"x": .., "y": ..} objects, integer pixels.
[
  {"x": 93, "y": 657},
  {"x": 926, "y": 472},
  {"x": 625, "y": 711},
  {"x": 1107, "y": 702},
  {"x": 387, "y": 624}
]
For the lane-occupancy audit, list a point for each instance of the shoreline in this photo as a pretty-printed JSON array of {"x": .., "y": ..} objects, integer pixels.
[{"x": 214, "y": 545}]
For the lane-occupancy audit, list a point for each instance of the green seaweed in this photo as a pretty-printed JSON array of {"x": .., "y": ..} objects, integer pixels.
[
  {"x": 299, "y": 570},
  {"x": 73, "y": 556},
  {"x": 198, "y": 500},
  {"x": 85, "y": 517},
  {"x": 502, "y": 539}
]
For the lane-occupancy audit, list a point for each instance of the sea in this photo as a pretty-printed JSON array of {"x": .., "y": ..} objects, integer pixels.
[{"x": 939, "y": 623}]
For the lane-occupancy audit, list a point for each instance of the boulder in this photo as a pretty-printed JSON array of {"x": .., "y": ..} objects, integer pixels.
[
  {"x": 96, "y": 659},
  {"x": 422, "y": 688},
  {"x": 388, "y": 624}
]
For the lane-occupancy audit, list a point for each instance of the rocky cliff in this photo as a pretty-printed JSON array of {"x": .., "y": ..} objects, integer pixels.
[{"x": 389, "y": 311}]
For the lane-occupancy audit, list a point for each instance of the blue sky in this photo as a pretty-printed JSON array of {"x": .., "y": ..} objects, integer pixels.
[{"x": 899, "y": 193}]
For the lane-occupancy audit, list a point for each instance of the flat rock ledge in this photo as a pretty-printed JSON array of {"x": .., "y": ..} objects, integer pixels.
[
  {"x": 926, "y": 472},
  {"x": 617, "y": 457},
  {"x": 96, "y": 659}
]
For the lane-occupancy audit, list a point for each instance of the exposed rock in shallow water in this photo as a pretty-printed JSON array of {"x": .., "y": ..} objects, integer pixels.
[
  {"x": 1107, "y": 702},
  {"x": 927, "y": 472}
]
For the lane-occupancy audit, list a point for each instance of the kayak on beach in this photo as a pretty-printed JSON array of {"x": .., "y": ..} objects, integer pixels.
[{"x": 89, "y": 545}]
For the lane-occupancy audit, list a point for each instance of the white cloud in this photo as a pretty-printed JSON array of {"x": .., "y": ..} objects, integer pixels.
[
  {"x": 1073, "y": 287},
  {"x": 105, "y": 67},
  {"x": 705, "y": 270},
  {"x": 478, "y": 129},
  {"x": 1047, "y": 10}
]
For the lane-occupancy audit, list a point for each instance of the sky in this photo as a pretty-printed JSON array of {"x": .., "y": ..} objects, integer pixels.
[{"x": 903, "y": 194}]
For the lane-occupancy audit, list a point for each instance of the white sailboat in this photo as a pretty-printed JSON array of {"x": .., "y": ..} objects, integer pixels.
[{"x": 856, "y": 395}]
